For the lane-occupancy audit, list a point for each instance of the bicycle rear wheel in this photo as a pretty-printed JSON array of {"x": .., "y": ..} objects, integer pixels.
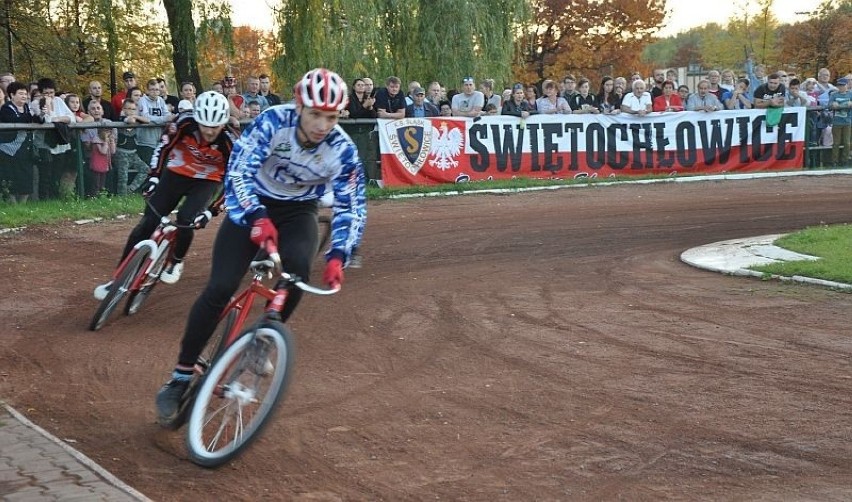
[
  {"x": 239, "y": 393},
  {"x": 138, "y": 297},
  {"x": 119, "y": 288}
]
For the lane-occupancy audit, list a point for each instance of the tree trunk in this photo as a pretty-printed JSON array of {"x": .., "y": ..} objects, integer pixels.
[{"x": 184, "y": 50}]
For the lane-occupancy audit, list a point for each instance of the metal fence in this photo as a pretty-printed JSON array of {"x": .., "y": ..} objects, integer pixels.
[
  {"x": 49, "y": 169},
  {"x": 362, "y": 131}
]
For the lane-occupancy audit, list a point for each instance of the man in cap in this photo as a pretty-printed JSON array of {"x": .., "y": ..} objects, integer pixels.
[
  {"x": 129, "y": 79},
  {"x": 420, "y": 107}
]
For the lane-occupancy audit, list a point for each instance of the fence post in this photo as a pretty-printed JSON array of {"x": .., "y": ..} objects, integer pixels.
[{"x": 81, "y": 173}]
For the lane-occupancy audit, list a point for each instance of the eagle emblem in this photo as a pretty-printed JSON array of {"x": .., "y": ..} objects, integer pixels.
[{"x": 446, "y": 145}]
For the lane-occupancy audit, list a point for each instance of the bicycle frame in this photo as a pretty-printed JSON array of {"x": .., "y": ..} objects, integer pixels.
[
  {"x": 276, "y": 296},
  {"x": 164, "y": 232},
  {"x": 245, "y": 301}
]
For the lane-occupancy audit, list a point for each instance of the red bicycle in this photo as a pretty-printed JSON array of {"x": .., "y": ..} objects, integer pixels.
[
  {"x": 139, "y": 272},
  {"x": 243, "y": 372}
]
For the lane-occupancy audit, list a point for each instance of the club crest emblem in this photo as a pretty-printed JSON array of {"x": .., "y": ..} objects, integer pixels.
[{"x": 410, "y": 141}]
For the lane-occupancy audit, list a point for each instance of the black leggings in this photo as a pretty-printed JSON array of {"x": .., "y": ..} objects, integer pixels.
[
  {"x": 169, "y": 191},
  {"x": 233, "y": 251}
]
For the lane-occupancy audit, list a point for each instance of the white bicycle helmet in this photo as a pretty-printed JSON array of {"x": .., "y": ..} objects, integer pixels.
[
  {"x": 211, "y": 109},
  {"x": 322, "y": 89}
]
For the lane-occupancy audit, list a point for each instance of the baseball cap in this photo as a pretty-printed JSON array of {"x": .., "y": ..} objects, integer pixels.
[
  {"x": 842, "y": 81},
  {"x": 184, "y": 105},
  {"x": 517, "y": 86},
  {"x": 419, "y": 90},
  {"x": 128, "y": 74}
]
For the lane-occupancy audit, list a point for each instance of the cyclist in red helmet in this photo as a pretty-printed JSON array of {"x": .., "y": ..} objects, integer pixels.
[
  {"x": 281, "y": 166},
  {"x": 188, "y": 164}
]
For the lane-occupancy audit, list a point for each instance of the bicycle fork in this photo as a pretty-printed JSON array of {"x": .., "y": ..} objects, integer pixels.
[{"x": 276, "y": 304}]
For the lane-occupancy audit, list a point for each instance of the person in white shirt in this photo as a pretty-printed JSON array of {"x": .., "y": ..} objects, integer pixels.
[
  {"x": 637, "y": 102},
  {"x": 58, "y": 169},
  {"x": 823, "y": 87}
]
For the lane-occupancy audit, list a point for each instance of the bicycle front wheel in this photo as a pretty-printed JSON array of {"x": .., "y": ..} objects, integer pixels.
[
  {"x": 120, "y": 287},
  {"x": 239, "y": 394},
  {"x": 211, "y": 351},
  {"x": 138, "y": 297}
]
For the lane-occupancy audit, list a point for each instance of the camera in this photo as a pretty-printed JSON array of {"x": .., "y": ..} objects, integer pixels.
[{"x": 42, "y": 102}]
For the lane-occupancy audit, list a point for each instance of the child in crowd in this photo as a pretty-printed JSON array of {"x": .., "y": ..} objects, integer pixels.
[
  {"x": 100, "y": 145},
  {"x": 101, "y": 159},
  {"x": 253, "y": 109},
  {"x": 74, "y": 104},
  {"x": 126, "y": 158}
]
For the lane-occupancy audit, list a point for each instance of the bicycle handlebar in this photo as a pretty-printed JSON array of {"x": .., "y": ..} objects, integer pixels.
[
  {"x": 272, "y": 249},
  {"x": 166, "y": 220}
]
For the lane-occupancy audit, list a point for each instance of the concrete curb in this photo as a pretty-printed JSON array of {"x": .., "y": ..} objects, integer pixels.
[{"x": 733, "y": 257}]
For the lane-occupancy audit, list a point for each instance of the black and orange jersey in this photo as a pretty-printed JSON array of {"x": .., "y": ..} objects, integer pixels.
[{"x": 183, "y": 151}]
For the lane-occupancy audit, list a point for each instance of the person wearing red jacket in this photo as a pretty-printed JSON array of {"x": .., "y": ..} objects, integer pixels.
[{"x": 669, "y": 101}]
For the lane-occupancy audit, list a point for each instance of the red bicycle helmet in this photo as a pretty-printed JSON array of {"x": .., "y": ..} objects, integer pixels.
[{"x": 322, "y": 89}]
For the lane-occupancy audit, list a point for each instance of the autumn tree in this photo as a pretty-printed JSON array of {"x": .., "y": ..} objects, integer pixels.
[
  {"x": 75, "y": 41},
  {"x": 822, "y": 41},
  {"x": 678, "y": 50},
  {"x": 586, "y": 37}
]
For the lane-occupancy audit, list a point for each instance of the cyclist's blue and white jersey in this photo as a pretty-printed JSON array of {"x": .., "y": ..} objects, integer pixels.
[{"x": 267, "y": 160}]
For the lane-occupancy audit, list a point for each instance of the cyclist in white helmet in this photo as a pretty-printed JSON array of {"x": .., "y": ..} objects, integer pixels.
[
  {"x": 282, "y": 165},
  {"x": 188, "y": 164}
]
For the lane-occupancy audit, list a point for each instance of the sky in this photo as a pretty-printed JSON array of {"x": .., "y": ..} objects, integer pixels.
[{"x": 257, "y": 14}]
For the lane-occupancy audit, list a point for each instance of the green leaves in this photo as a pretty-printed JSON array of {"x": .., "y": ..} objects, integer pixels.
[{"x": 427, "y": 40}]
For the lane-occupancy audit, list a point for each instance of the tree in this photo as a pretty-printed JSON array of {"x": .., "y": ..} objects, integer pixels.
[
  {"x": 587, "y": 37},
  {"x": 440, "y": 40},
  {"x": 822, "y": 41},
  {"x": 75, "y": 41},
  {"x": 184, "y": 50},
  {"x": 215, "y": 36},
  {"x": 754, "y": 34}
]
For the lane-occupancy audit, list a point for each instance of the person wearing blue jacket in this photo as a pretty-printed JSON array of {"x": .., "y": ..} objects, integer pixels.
[{"x": 279, "y": 169}]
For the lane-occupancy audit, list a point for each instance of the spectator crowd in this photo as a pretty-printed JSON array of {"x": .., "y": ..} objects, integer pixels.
[{"x": 117, "y": 158}]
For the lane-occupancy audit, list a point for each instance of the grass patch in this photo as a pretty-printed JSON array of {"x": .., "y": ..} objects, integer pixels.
[
  {"x": 829, "y": 242},
  {"x": 56, "y": 211}
]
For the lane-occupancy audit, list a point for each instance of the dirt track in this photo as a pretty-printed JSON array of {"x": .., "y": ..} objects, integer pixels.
[{"x": 539, "y": 346}]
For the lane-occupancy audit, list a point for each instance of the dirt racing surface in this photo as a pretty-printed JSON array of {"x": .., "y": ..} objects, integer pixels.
[{"x": 538, "y": 346}]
